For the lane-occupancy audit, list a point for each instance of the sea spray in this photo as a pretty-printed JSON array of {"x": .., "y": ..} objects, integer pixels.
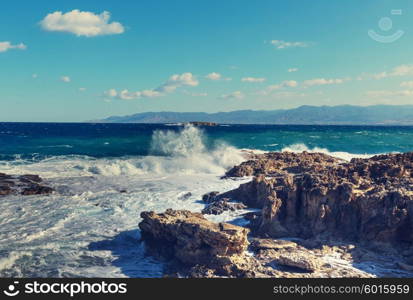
[{"x": 298, "y": 148}]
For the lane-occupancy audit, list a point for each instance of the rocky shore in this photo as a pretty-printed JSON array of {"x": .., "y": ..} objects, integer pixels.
[
  {"x": 318, "y": 216},
  {"x": 23, "y": 185}
]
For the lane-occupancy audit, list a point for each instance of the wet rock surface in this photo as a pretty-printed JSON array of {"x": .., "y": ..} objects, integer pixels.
[
  {"x": 361, "y": 200},
  {"x": 23, "y": 185},
  {"x": 193, "y": 240},
  {"x": 341, "y": 219},
  {"x": 219, "y": 206}
]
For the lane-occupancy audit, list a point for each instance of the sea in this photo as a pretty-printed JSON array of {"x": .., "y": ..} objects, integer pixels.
[{"x": 105, "y": 175}]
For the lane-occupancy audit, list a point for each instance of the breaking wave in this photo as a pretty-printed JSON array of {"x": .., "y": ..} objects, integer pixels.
[
  {"x": 171, "y": 152},
  {"x": 298, "y": 148}
]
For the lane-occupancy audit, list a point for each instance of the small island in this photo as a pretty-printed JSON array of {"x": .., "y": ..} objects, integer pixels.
[{"x": 199, "y": 123}]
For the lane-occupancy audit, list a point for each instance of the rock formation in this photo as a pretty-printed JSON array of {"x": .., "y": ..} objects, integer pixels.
[
  {"x": 193, "y": 240},
  {"x": 362, "y": 200},
  {"x": 22, "y": 185},
  {"x": 326, "y": 203}
]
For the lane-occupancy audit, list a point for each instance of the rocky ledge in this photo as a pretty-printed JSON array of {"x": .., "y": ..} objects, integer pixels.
[
  {"x": 193, "y": 240},
  {"x": 358, "y": 212},
  {"x": 22, "y": 185}
]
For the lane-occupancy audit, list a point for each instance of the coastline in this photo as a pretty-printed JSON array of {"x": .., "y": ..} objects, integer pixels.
[
  {"x": 90, "y": 221},
  {"x": 307, "y": 226}
]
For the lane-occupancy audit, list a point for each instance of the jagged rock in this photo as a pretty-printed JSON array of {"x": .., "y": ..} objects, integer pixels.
[
  {"x": 219, "y": 206},
  {"x": 259, "y": 244},
  {"x": 304, "y": 262},
  {"x": 210, "y": 197},
  {"x": 30, "y": 178},
  {"x": 361, "y": 200},
  {"x": 22, "y": 185},
  {"x": 36, "y": 189},
  {"x": 192, "y": 239},
  {"x": 275, "y": 162}
]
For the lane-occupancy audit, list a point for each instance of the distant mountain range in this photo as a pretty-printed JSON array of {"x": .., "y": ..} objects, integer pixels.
[{"x": 311, "y": 115}]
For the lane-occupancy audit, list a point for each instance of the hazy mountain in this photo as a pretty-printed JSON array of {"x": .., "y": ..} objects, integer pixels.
[{"x": 345, "y": 114}]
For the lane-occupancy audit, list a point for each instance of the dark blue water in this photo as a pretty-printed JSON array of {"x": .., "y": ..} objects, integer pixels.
[{"x": 39, "y": 140}]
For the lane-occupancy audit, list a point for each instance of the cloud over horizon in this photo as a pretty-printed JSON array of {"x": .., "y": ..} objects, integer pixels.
[
  {"x": 253, "y": 79},
  {"x": 5, "y": 46},
  {"x": 234, "y": 95},
  {"x": 81, "y": 23},
  {"x": 280, "y": 44},
  {"x": 323, "y": 81},
  {"x": 65, "y": 79},
  {"x": 173, "y": 83}
]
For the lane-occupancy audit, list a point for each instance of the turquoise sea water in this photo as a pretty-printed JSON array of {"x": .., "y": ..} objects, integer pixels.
[
  {"x": 105, "y": 175},
  {"x": 39, "y": 140}
]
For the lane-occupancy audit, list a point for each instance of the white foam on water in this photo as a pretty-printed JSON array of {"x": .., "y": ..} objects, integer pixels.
[
  {"x": 89, "y": 226},
  {"x": 298, "y": 148}
]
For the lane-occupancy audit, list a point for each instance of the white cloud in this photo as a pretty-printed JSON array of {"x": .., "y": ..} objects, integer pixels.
[
  {"x": 402, "y": 70},
  {"x": 65, "y": 79},
  {"x": 35, "y": 76},
  {"x": 290, "y": 70},
  {"x": 271, "y": 88},
  {"x": 279, "y": 44},
  {"x": 284, "y": 84},
  {"x": 174, "y": 82},
  {"x": 112, "y": 93},
  {"x": 407, "y": 84},
  {"x": 81, "y": 23},
  {"x": 383, "y": 93},
  {"x": 5, "y": 46},
  {"x": 253, "y": 79},
  {"x": 323, "y": 81},
  {"x": 233, "y": 95},
  {"x": 213, "y": 76},
  {"x": 82, "y": 89}
]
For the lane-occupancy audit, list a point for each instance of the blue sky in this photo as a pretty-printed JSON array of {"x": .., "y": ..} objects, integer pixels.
[{"x": 70, "y": 61}]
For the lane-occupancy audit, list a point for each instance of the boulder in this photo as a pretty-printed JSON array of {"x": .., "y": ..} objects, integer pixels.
[
  {"x": 303, "y": 262},
  {"x": 192, "y": 239},
  {"x": 23, "y": 185},
  {"x": 219, "y": 206}
]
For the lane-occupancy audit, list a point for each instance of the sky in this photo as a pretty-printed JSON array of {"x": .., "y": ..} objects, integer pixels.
[{"x": 72, "y": 61}]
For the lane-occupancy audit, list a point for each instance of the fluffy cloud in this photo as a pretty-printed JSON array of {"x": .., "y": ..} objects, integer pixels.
[
  {"x": 174, "y": 82},
  {"x": 290, "y": 70},
  {"x": 279, "y": 44},
  {"x": 5, "y": 46},
  {"x": 82, "y": 89},
  {"x": 213, "y": 76},
  {"x": 34, "y": 76},
  {"x": 323, "y": 81},
  {"x": 233, "y": 95},
  {"x": 81, "y": 23},
  {"x": 65, "y": 79},
  {"x": 252, "y": 79}
]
